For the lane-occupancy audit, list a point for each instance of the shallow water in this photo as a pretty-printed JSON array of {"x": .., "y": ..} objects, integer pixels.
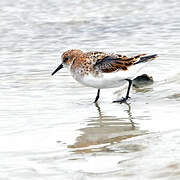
[{"x": 49, "y": 127}]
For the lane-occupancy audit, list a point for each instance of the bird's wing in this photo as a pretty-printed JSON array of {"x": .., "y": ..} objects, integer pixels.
[{"x": 115, "y": 62}]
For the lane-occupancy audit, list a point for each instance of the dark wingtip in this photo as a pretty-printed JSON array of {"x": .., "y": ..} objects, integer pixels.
[
  {"x": 155, "y": 55},
  {"x": 150, "y": 56},
  {"x": 146, "y": 58}
]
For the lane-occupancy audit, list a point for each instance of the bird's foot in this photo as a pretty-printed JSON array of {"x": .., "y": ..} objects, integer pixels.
[{"x": 122, "y": 100}]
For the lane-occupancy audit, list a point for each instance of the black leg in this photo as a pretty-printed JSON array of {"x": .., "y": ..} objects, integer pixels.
[
  {"x": 123, "y": 100},
  {"x": 97, "y": 97},
  {"x": 129, "y": 87}
]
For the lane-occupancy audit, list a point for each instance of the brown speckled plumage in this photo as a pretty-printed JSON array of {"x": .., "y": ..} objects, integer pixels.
[
  {"x": 102, "y": 70},
  {"x": 97, "y": 62}
]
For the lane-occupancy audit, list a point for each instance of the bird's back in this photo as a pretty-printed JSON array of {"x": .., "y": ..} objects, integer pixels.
[{"x": 103, "y": 70}]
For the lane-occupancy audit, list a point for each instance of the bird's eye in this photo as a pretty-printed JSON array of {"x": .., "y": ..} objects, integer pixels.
[{"x": 66, "y": 59}]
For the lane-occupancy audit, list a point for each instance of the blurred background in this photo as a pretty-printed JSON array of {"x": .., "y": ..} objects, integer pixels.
[{"x": 49, "y": 127}]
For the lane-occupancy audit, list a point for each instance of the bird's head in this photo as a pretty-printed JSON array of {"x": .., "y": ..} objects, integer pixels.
[{"x": 67, "y": 58}]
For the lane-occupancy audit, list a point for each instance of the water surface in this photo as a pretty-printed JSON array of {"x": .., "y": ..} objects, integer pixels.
[{"x": 49, "y": 127}]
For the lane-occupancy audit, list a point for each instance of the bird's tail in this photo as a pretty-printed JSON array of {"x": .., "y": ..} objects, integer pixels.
[{"x": 146, "y": 59}]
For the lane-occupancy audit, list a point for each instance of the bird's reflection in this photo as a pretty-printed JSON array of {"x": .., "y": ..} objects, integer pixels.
[
  {"x": 130, "y": 114},
  {"x": 104, "y": 130}
]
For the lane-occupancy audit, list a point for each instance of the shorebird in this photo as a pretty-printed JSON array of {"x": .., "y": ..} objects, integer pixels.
[{"x": 103, "y": 70}]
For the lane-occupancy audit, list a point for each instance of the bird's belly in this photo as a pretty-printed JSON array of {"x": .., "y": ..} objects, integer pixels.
[{"x": 101, "y": 82}]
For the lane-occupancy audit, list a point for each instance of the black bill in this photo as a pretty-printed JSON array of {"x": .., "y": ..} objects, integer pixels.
[{"x": 58, "y": 68}]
